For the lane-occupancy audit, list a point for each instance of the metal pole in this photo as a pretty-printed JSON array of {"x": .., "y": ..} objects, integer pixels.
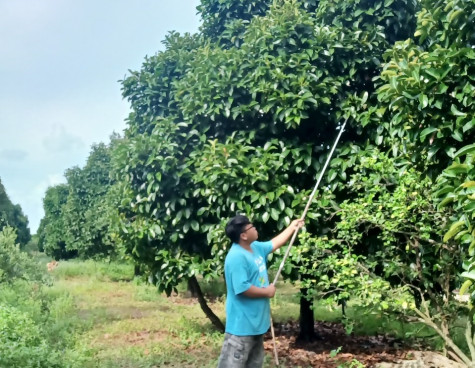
[{"x": 294, "y": 236}]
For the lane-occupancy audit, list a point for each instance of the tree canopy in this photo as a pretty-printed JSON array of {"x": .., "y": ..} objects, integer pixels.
[
  {"x": 224, "y": 125},
  {"x": 13, "y": 216}
]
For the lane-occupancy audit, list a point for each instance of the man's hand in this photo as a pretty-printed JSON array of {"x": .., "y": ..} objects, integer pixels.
[
  {"x": 285, "y": 235},
  {"x": 260, "y": 292},
  {"x": 297, "y": 223},
  {"x": 271, "y": 290}
]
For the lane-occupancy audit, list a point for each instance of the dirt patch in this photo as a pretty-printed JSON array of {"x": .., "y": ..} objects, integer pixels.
[
  {"x": 177, "y": 299},
  {"x": 134, "y": 338},
  {"x": 115, "y": 313},
  {"x": 372, "y": 351}
]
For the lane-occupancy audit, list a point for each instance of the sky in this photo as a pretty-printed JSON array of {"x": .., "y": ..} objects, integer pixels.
[{"x": 60, "y": 63}]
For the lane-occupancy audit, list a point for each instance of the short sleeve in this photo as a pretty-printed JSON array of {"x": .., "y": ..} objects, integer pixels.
[
  {"x": 264, "y": 247},
  {"x": 239, "y": 275}
]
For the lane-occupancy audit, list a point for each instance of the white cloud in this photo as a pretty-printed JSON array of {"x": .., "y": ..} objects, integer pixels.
[
  {"x": 33, "y": 203},
  {"x": 51, "y": 180},
  {"x": 13, "y": 154},
  {"x": 60, "y": 140}
]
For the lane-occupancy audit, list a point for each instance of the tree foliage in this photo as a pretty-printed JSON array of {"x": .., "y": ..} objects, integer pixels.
[
  {"x": 424, "y": 109},
  {"x": 15, "y": 264},
  {"x": 427, "y": 92},
  {"x": 12, "y": 215},
  {"x": 423, "y": 115},
  {"x": 456, "y": 191},
  {"x": 86, "y": 212},
  {"x": 51, "y": 232},
  {"x": 220, "y": 126},
  {"x": 79, "y": 215},
  {"x": 240, "y": 118}
]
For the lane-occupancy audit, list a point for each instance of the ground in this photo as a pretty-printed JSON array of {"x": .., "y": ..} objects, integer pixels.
[
  {"x": 371, "y": 351},
  {"x": 130, "y": 325}
]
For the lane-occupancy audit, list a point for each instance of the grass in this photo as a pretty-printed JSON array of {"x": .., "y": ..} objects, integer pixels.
[
  {"x": 122, "y": 322},
  {"x": 128, "y": 324},
  {"x": 112, "y": 271}
]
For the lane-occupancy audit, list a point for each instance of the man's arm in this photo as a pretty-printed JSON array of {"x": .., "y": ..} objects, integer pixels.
[
  {"x": 285, "y": 235},
  {"x": 257, "y": 292}
]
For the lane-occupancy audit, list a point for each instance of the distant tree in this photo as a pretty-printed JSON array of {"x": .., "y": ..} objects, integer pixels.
[
  {"x": 51, "y": 232},
  {"x": 86, "y": 213},
  {"x": 12, "y": 215}
]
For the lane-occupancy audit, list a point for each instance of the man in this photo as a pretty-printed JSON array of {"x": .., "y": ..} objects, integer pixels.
[{"x": 248, "y": 293}]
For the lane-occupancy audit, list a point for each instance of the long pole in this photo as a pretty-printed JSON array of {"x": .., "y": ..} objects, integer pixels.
[{"x": 294, "y": 236}]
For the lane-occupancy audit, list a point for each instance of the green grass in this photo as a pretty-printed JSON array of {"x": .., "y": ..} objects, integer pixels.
[
  {"x": 112, "y": 271},
  {"x": 128, "y": 324}
]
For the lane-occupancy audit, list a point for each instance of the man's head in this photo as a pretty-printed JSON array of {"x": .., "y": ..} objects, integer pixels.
[{"x": 240, "y": 228}]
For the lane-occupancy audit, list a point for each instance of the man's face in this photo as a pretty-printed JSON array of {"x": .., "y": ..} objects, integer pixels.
[{"x": 249, "y": 233}]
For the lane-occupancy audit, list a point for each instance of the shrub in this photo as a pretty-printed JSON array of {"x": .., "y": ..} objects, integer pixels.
[
  {"x": 15, "y": 264},
  {"x": 21, "y": 343}
]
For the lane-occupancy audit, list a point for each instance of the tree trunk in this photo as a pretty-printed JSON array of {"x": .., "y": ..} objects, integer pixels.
[
  {"x": 306, "y": 319},
  {"x": 195, "y": 289},
  {"x": 192, "y": 289}
]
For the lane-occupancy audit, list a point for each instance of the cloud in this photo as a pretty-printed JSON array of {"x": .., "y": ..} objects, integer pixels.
[
  {"x": 13, "y": 155},
  {"x": 33, "y": 203},
  {"x": 41, "y": 187},
  {"x": 61, "y": 141}
]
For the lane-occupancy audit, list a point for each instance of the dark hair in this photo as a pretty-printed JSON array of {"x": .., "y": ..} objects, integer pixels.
[{"x": 235, "y": 226}]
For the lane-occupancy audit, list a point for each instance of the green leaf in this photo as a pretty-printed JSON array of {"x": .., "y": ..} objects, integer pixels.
[
  {"x": 186, "y": 227},
  {"x": 466, "y": 285},
  {"x": 424, "y": 100},
  {"x": 469, "y": 207},
  {"x": 454, "y": 230},
  {"x": 281, "y": 204},
  {"x": 265, "y": 217},
  {"x": 444, "y": 190},
  {"x": 465, "y": 150},
  {"x": 468, "y": 275},
  {"x": 427, "y": 131},
  {"x": 433, "y": 73},
  {"x": 262, "y": 200},
  {"x": 456, "y": 112},
  {"x": 457, "y": 136},
  {"x": 457, "y": 169},
  {"x": 365, "y": 97},
  {"x": 468, "y": 126},
  {"x": 455, "y": 15},
  {"x": 432, "y": 151},
  {"x": 446, "y": 201}
]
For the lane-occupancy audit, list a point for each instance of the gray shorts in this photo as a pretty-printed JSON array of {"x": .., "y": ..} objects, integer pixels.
[{"x": 242, "y": 352}]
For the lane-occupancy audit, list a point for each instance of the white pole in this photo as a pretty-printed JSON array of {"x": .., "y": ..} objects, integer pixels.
[{"x": 294, "y": 236}]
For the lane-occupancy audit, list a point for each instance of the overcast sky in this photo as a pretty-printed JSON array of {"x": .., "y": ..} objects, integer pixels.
[{"x": 60, "y": 62}]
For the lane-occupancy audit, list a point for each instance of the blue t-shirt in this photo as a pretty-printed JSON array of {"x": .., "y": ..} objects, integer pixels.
[{"x": 247, "y": 316}]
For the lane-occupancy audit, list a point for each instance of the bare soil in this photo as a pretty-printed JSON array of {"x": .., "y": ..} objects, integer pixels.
[{"x": 379, "y": 351}]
